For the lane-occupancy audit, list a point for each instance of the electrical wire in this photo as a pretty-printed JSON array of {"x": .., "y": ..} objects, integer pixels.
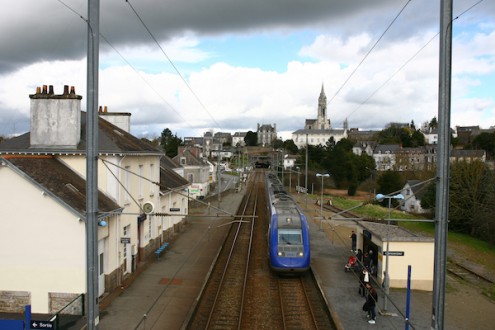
[
  {"x": 172, "y": 63},
  {"x": 130, "y": 65},
  {"x": 408, "y": 61},
  {"x": 369, "y": 51}
]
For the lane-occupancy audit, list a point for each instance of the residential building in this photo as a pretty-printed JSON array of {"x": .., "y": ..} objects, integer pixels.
[
  {"x": 413, "y": 192},
  {"x": 196, "y": 171},
  {"x": 267, "y": 134},
  {"x": 45, "y": 171}
]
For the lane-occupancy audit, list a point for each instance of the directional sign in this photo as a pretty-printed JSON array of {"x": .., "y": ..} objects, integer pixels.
[
  {"x": 394, "y": 253},
  {"x": 42, "y": 324},
  {"x": 125, "y": 240}
]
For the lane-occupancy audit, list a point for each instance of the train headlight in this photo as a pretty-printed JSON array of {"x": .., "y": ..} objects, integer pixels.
[
  {"x": 280, "y": 253},
  {"x": 301, "y": 254}
]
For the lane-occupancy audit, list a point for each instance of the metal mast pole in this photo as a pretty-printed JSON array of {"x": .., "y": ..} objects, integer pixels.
[
  {"x": 92, "y": 164},
  {"x": 442, "y": 195},
  {"x": 306, "y": 178}
]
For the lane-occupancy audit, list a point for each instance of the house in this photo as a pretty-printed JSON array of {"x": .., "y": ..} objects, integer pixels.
[
  {"x": 384, "y": 156},
  {"x": 43, "y": 245},
  {"x": 413, "y": 191},
  {"x": 45, "y": 171},
  {"x": 267, "y": 134},
  {"x": 363, "y": 147},
  {"x": 196, "y": 171},
  {"x": 238, "y": 139}
]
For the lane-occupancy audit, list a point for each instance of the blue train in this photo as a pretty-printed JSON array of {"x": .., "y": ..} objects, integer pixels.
[{"x": 288, "y": 233}]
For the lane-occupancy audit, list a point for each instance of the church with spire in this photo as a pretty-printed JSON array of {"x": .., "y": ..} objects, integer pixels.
[{"x": 318, "y": 131}]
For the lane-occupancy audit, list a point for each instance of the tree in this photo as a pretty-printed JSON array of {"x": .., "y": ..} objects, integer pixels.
[
  {"x": 485, "y": 141},
  {"x": 472, "y": 199},
  {"x": 433, "y": 123},
  {"x": 389, "y": 183},
  {"x": 251, "y": 139},
  {"x": 291, "y": 147},
  {"x": 277, "y": 144},
  {"x": 170, "y": 143}
]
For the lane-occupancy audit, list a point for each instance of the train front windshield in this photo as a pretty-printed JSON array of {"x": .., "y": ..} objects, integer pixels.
[{"x": 290, "y": 236}]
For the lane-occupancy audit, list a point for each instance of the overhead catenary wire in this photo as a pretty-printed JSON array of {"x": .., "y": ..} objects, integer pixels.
[
  {"x": 172, "y": 63},
  {"x": 407, "y": 61},
  {"x": 130, "y": 65},
  {"x": 369, "y": 51}
]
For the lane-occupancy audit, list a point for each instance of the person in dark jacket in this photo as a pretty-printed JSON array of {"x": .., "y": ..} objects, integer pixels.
[{"x": 371, "y": 301}]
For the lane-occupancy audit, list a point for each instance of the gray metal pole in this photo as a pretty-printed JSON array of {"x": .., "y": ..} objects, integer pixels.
[
  {"x": 387, "y": 283},
  {"x": 306, "y": 178},
  {"x": 92, "y": 164},
  {"x": 442, "y": 195}
]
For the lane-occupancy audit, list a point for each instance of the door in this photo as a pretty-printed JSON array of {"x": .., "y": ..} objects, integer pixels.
[
  {"x": 127, "y": 251},
  {"x": 101, "y": 267}
]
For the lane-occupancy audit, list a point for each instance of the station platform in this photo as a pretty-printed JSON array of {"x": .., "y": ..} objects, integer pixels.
[{"x": 164, "y": 292}]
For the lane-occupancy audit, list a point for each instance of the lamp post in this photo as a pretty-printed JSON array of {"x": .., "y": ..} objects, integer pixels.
[
  {"x": 380, "y": 197},
  {"x": 326, "y": 175},
  {"x": 298, "y": 184},
  {"x": 290, "y": 179}
]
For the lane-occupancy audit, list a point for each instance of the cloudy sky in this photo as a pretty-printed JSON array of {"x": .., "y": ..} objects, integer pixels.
[{"x": 227, "y": 65}]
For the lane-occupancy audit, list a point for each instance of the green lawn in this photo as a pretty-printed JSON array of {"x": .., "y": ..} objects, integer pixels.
[{"x": 467, "y": 247}]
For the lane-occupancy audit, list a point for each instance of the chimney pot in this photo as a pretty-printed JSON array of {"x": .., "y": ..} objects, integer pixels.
[
  {"x": 38, "y": 90},
  {"x": 66, "y": 89},
  {"x": 44, "y": 89},
  {"x": 106, "y": 109},
  {"x": 50, "y": 89},
  {"x": 72, "y": 90},
  {"x": 99, "y": 109}
]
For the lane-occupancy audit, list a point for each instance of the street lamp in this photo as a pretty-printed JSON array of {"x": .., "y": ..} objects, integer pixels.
[
  {"x": 298, "y": 184},
  {"x": 380, "y": 197},
  {"x": 326, "y": 175}
]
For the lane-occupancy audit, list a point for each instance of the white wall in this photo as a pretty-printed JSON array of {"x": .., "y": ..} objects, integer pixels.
[{"x": 43, "y": 245}]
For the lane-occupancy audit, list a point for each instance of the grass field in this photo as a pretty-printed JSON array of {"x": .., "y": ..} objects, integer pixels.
[{"x": 462, "y": 245}]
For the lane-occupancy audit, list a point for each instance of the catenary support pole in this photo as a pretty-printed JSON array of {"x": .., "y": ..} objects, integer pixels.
[
  {"x": 92, "y": 164},
  {"x": 442, "y": 194}
]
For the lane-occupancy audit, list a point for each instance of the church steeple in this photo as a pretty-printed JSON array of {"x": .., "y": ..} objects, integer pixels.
[
  {"x": 322, "y": 122},
  {"x": 322, "y": 103}
]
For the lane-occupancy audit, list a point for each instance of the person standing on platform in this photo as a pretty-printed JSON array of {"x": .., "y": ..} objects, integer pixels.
[
  {"x": 353, "y": 238},
  {"x": 364, "y": 279},
  {"x": 371, "y": 301}
]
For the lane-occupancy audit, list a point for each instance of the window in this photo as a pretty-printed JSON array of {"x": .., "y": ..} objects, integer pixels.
[
  {"x": 127, "y": 184},
  {"x": 101, "y": 264},
  {"x": 152, "y": 179},
  {"x": 140, "y": 182},
  {"x": 289, "y": 236}
]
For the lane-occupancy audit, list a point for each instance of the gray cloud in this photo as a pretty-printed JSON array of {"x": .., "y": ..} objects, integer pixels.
[{"x": 49, "y": 30}]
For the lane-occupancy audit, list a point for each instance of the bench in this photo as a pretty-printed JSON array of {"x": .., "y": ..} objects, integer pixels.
[{"x": 161, "y": 249}]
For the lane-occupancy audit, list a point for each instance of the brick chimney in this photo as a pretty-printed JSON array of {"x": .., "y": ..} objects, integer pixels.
[
  {"x": 55, "y": 119},
  {"x": 120, "y": 119}
]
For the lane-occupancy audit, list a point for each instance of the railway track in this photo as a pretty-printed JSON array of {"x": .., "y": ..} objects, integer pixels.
[
  {"x": 243, "y": 293},
  {"x": 222, "y": 302},
  {"x": 466, "y": 274},
  {"x": 300, "y": 301}
]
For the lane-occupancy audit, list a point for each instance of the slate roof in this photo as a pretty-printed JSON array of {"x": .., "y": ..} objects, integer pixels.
[
  {"x": 111, "y": 140},
  {"x": 169, "y": 179},
  {"x": 60, "y": 181},
  {"x": 418, "y": 187},
  {"x": 394, "y": 233},
  {"x": 319, "y": 131},
  {"x": 191, "y": 160}
]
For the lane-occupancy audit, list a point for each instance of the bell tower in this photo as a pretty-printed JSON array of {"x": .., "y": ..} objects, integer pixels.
[{"x": 322, "y": 121}]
